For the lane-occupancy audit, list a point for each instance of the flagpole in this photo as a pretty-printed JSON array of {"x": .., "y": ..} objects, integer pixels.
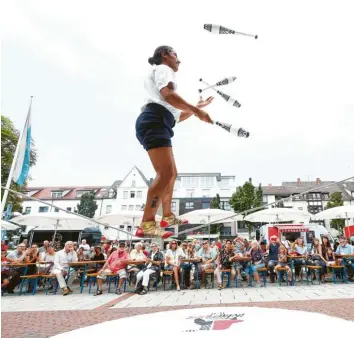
[{"x": 9, "y": 179}]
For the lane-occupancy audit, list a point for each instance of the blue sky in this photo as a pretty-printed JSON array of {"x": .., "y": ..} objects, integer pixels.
[{"x": 85, "y": 62}]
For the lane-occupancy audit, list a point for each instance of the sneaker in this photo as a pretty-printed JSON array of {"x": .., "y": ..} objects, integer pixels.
[
  {"x": 119, "y": 292},
  {"x": 150, "y": 229},
  {"x": 178, "y": 289},
  {"x": 192, "y": 286},
  {"x": 66, "y": 291},
  {"x": 71, "y": 291},
  {"x": 258, "y": 285},
  {"x": 172, "y": 220},
  {"x": 98, "y": 293},
  {"x": 220, "y": 287}
]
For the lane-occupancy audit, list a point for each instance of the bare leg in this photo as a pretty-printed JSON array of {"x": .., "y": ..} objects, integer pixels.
[
  {"x": 167, "y": 199},
  {"x": 176, "y": 274},
  {"x": 99, "y": 284},
  {"x": 164, "y": 165}
]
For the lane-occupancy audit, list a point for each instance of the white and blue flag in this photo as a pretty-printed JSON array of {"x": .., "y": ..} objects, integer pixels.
[{"x": 22, "y": 164}]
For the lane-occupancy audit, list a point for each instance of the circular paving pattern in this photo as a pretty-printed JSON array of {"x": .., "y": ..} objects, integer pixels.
[{"x": 220, "y": 321}]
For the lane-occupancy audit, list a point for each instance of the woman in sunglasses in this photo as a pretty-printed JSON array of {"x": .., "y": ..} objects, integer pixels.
[{"x": 163, "y": 108}]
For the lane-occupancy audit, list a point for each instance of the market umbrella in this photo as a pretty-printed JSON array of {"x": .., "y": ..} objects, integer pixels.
[{"x": 273, "y": 215}]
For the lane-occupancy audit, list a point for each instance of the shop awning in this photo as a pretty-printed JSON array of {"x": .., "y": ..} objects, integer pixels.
[{"x": 292, "y": 228}]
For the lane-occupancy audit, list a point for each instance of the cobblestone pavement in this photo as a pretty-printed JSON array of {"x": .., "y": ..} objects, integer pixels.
[{"x": 43, "y": 316}]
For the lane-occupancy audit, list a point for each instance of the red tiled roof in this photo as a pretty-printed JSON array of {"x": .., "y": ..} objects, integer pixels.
[{"x": 46, "y": 193}]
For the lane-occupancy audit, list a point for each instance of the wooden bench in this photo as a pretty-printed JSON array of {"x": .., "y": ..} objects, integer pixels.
[
  {"x": 263, "y": 273},
  {"x": 334, "y": 272},
  {"x": 209, "y": 272},
  {"x": 28, "y": 280},
  {"x": 282, "y": 270},
  {"x": 316, "y": 269},
  {"x": 167, "y": 274}
]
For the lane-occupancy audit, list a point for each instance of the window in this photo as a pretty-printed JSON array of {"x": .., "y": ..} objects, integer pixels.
[
  {"x": 43, "y": 209},
  {"x": 132, "y": 194},
  {"x": 68, "y": 208},
  {"x": 206, "y": 181},
  {"x": 205, "y": 205},
  {"x": 121, "y": 227},
  {"x": 139, "y": 194},
  {"x": 124, "y": 207},
  {"x": 190, "y": 182},
  {"x": 138, "y": 207},
  {"x": 326, "y": 196},
  {"x": 226, "y": 205},
  {"x": 56, "y": 210},
  {"x": 125, "y": 194},
  {"x": 57, "y": 194},
  {"x": 79, "y": 193},
  {"x": 190, "y": 192},
  {"x": 131, "y": 208},
  {"x": 173, "y": 206},
  {"x": 265, "y": 199},
  {"x": 205, "y": 192},
  {"x": 133, "y": 183},
  {"x": 189, "y": 205},
  {"x": 129, "y": 228},
  {"x": 108, "y": 209},
  {"x": 300, "y": 208},
  {"x": 28, "y": 210},
  {"x": 224, "y": 182}
]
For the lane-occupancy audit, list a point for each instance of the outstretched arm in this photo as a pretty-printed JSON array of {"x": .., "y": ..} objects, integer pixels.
[
  {"x": 171, "y": 97},
  {"x": 201, "y": 104}
]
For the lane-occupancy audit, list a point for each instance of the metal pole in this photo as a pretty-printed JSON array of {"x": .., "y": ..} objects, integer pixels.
[{"x": 9, "y": 179}]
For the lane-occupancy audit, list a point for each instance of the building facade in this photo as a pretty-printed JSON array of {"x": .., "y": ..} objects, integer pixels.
[{"x": 192, "y": 191}]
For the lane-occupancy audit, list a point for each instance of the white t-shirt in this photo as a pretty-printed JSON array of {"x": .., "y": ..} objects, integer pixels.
[{"x": 159, "y": 77}]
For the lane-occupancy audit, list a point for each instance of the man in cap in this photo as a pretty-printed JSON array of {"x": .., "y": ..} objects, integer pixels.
[{"x": 116, "y": 264}]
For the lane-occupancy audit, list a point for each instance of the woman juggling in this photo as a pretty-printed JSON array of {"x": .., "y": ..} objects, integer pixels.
[{"x": 163, "y": 108}]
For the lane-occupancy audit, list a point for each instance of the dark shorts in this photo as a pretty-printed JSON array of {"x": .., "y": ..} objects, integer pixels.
[{"x": 154, "y": 127}]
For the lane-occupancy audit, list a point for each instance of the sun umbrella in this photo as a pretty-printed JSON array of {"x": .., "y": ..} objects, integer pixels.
[
  {"x": 279, "y": 215},
  {"x": 207, "y": 216},
  {"x": 343, "y": 212},
  {"x": 8, "y": 226},
  {"x": 53, "y": 221}
]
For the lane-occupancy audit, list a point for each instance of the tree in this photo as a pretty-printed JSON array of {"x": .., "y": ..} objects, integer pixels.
[
  {"x": 9, "y": 139},
  {"x": 336, "y": 200},
  {"x": 216, "y": 204},
  {"x": 245, "y": 198},
  {"x": 87, "y": 206}
]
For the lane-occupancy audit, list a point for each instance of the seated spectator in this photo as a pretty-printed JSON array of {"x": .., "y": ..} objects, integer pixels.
[
  {"x": 208, "y": 257},
  {"x": 282, "y": 262},
  {"x": 224, "y": 261},
  {"x": 153, "y": 263},
  {"x": 47, "y": 257},
  {"x": 61, "y": 267},
  {"x": 5, "y": 281},
  {"x": 187, "y": 252},
  {"x": 317, "y": 257},
  {"x": 346, "y": 249},
  {"x": 137, "y": 254},
  {"x": 116, "y": 264},
  {"x": 16, "y": 256},
  {"x": 82, "y": 255},
  {"x": 44, "y": 248},
  {"x": 300, "y": 250},
  {"x": 257, "y": 262},
  {"x": 85, "y": 246},
  {"x": 4, "y": 246},
  {"x": 97, "y": 256},
  {"x": 273, "y": 253},
  {"x": 172, "y": 261}
]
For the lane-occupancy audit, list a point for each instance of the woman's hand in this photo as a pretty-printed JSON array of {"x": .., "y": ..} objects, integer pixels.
[{"x": 203, "y": 103}]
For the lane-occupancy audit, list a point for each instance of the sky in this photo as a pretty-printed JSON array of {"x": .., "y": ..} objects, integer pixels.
[{"x": 85, "y": 63}]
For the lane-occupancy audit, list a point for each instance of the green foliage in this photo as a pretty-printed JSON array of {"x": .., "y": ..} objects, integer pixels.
[
  {"x": 336, "y": 200},
  {"x": 245, "y": 198},
  {"x": 87, "y": 205},
  {"x": 9, "y": 139},
  {"x": 216, "y": 204}
]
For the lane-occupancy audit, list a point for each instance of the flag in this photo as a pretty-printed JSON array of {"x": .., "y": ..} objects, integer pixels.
[{"x": 22, "y": 164}]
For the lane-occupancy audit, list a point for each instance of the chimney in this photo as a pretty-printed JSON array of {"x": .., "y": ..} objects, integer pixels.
[
  {"x": 318, "y": 181},
  {"x": 298, "y": 181}
]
